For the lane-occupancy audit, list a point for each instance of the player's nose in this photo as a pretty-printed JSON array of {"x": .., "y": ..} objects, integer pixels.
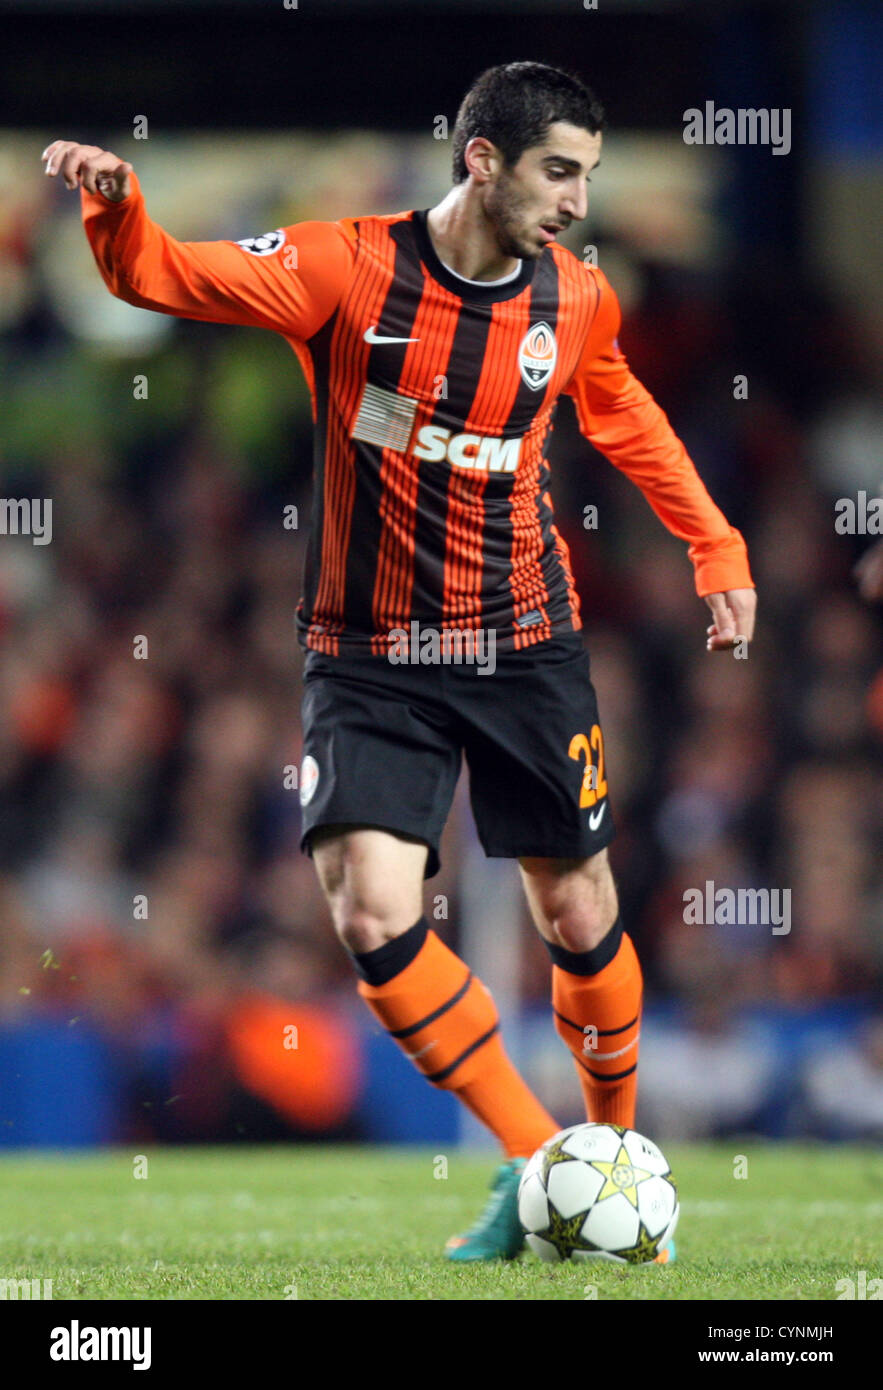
[{"x": 575, "y": 205}]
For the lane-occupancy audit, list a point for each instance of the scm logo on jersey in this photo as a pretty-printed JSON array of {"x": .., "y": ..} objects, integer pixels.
[
  {"x": 264, "y": 245},
  {"x": 468, "y": 450},
  {"x": 537, "y": 356}
]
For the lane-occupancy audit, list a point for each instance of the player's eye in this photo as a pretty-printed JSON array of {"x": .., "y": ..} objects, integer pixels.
[{"x": 561, "y": 174}]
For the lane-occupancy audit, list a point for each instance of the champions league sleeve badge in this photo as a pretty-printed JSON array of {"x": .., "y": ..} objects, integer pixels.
[{"x": 266, "y": 245}]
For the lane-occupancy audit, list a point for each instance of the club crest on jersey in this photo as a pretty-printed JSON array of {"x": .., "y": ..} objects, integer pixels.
[
  {"x": 265, "y": 245},
  {"x": 537, "y": 356}
]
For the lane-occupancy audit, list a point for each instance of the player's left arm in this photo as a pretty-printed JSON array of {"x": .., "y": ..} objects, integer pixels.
[{"x": 623, "y": 421}]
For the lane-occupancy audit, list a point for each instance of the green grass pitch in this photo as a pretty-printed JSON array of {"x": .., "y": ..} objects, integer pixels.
[{"x": 332, "y": 1223}]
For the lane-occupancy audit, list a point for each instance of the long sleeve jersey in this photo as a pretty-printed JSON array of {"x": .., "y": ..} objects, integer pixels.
[{"x": 433, "y": 402}]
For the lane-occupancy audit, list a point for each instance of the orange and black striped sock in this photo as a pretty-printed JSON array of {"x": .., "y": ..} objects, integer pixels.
[
  {"x": 596, "y": 997},
  {"x": 445, "y": 1020}
]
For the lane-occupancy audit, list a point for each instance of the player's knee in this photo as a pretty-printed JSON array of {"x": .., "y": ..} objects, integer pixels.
[
  {"x": 366, "y": 913},
  {"x": 583, "y": 932},
  {"x": 574, "y": 902},
  {"x": 587, "y": 914},
  {"x": 372, "y": 885},
  {"x": 361, "y": 929}
]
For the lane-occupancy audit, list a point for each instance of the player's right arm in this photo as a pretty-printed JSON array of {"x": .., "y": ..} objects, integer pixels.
[{"x": 293, "y": 290}]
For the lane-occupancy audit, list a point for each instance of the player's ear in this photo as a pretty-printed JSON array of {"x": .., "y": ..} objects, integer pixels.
[{"x": 483, "y": 160}]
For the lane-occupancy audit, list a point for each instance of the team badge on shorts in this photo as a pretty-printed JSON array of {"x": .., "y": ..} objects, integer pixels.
[
  {"x": 537, "y": 356},
  {"x": 309, "y": 779},
  {"x": 265, "y": 245}
]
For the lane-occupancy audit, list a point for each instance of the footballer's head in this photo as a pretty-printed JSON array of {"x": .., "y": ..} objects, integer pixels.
[{"x": 527, "y": 135}]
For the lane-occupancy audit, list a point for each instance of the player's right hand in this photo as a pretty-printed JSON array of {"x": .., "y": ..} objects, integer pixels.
[{"x": 97, "y": 170}]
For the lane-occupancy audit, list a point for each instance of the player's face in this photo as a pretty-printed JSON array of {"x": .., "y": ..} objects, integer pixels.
[{"x": 544, "y": 192}]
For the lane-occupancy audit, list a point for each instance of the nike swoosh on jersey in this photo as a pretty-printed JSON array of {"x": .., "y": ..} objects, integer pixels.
[
  {"x": 371, "y": 337},
  {"x": 596, "y": 817}
]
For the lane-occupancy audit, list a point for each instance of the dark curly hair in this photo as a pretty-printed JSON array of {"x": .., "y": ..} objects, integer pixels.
[{"x": 513, "y": 105}]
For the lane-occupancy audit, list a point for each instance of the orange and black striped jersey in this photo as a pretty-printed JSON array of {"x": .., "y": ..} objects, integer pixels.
[{"x": 433, "y": 401}]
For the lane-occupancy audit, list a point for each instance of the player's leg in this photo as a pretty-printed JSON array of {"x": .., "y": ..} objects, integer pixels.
[
  {"x": 380, "y": 743},
  {"x": 427, "y": 999},
  {"x": 596, "y": 977},
  {"x": 539, "y": 792},
  {"x": 596, "y": 983},
  {"x": 380, "y": 746},
  {"x": 423, "y": 994}
]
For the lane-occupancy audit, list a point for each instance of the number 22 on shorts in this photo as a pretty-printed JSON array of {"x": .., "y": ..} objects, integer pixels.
[{"x": 594, "y": 784}]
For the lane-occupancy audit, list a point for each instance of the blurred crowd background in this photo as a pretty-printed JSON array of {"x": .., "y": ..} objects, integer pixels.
[{"x": 167, "y": 965}]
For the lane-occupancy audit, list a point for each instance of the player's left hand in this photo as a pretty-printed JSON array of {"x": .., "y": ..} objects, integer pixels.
[{"x": 733, "y": 613}]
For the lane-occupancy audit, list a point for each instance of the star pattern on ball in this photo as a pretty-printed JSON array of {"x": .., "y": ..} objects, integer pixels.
[
  {"x": 620, "y": 1175},
  {"x": 555, "y": 1153},
  {"x": 565, "y": 1233},
  {"x": 644, "y": 1249}
]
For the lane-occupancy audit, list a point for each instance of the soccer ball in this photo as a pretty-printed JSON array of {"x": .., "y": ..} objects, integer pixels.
[{"x": 598, "y": 1191}]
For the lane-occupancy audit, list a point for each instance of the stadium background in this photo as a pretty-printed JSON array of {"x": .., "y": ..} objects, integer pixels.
[{"x": 165, "y": 777}]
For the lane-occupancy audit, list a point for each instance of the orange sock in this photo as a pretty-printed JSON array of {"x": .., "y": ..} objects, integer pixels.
[
  {"x": 598, "y": 1014},
  {"x": 445, "y": 1020}
]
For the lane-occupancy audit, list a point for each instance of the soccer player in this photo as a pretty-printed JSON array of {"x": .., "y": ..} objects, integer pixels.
[{"x": 439, "y": 614}]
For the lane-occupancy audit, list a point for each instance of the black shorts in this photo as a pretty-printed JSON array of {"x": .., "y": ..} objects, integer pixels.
[{"x": 383, "y": 746}]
